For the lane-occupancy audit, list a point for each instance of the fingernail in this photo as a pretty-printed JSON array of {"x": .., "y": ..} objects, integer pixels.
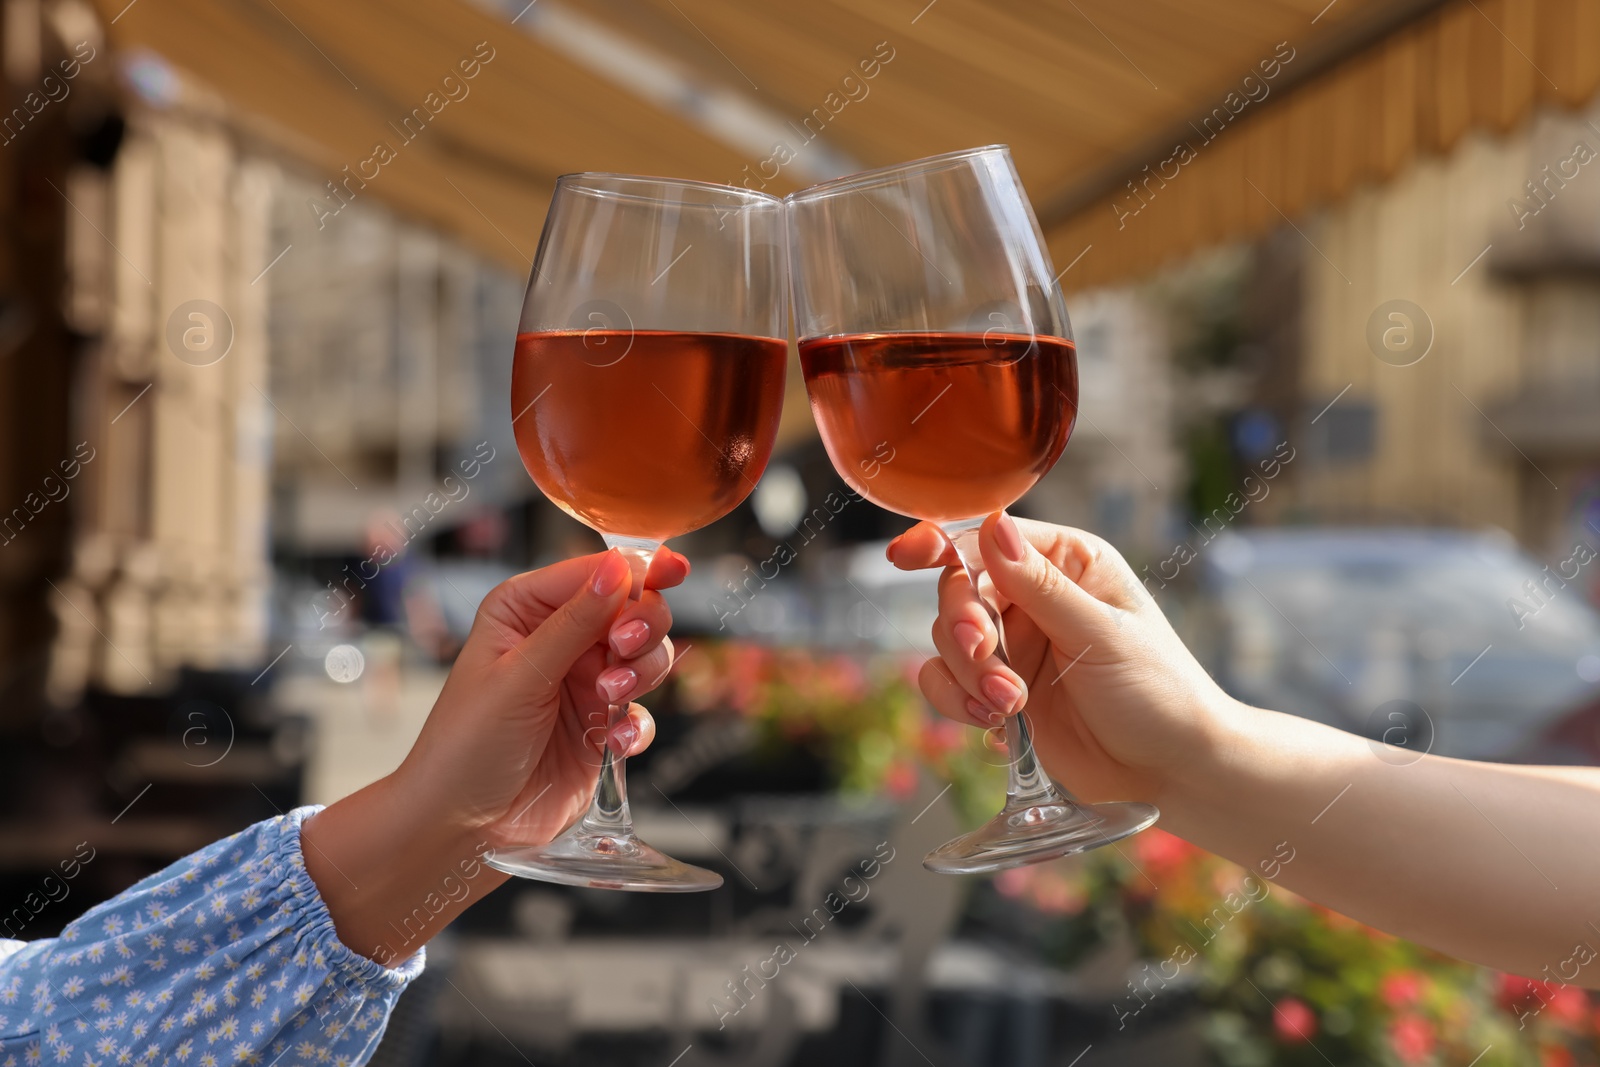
[
  {"x": 630, "y": 637},
  {"x": 615, "y": 683},
  {"x": 623, "y": 737},
  {"x": 612, "y": 572},
  {"x": 983, "y": 715},
  {"x": 889, "y": 550},
  {"x": 969, "y": 637},
  {"x": 1001, "y": 691},
  {"x": 1008, "y": 539}
]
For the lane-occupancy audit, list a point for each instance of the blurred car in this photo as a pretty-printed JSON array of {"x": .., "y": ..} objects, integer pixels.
[{"x": 1450, "y": 641}]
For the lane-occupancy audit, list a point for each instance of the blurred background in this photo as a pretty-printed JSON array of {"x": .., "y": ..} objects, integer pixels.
[{"x": 1334, "y": 268}]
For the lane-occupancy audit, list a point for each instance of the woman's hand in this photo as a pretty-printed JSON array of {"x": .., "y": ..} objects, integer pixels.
[
  {"x": 1115, "y": 701},
  {"x": 509, "y": 754},
  {"x": 512, "y": 747}
]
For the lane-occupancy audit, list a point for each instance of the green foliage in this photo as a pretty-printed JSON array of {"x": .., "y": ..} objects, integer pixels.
[{"x": 1285, "y": 983}]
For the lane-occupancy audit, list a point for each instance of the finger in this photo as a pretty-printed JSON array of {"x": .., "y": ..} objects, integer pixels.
[
  {"x": 624, "y": 681},
  {"x": 633, "y": 732},
  {"x": 951, "y": 700},
  {"x": 641, "y": 626},
  {"x": 667, "y": 569},
  {"x": 1049, "y": 589},
  {"x": 547, "y": 654},
  {"x": 968, "y": 642},
  {"x": 921, "y": 547}
]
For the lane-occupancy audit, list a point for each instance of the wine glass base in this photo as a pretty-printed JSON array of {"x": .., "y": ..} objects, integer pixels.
[
  {"x": 603, "y": 861},
  {"x": 1034, "y": 833}
]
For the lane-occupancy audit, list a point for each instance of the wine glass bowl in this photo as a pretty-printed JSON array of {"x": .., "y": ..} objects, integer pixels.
[
  {"x": 940, "y": 367},
  {"x": 647, "y": 382}
]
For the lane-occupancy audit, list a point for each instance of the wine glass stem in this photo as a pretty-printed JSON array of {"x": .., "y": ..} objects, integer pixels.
[
  {"x": 1027, "y": 782},
  {"x": 608, "y": 812}
]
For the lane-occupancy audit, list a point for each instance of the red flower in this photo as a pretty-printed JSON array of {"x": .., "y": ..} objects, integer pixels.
[
  {"x": 1412, "y": 1038},
  {"x": 1568, "y": 1005},
  {"x": 900, "y": 780},
  {"x": 1513, "y": 990},
  {"x": 1556, "y": 1056},
  {"x": 1163, "y": 852},
  {"x": 1293, "y": 1020},
  {"x": 1402, "y": 989}
]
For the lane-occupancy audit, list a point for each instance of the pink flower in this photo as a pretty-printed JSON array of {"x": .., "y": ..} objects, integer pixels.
[
  {"x": 1402, "y": 989},
  {"x": 1162, "y": 852},
  {"x": 1013, "y": 882},
  {"x": 1058, "y": 894},
  {"x": 1294, "y": 1020},
  {"x": 1412, "y": 1038},
  {"x": 944, "y": 736},
  {"x": 900, "y": 780}
]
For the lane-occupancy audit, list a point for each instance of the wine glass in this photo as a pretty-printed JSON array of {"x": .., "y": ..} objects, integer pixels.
[
  {"x": 645, "y": 393},
  {"x": 941, "y": 371}
]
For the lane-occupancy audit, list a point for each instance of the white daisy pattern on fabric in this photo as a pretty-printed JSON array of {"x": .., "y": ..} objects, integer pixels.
[{"x": 248, "y": 993}]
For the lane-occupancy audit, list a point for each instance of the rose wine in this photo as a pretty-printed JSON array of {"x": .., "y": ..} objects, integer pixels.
[
  {"x": 646, "y": 433},
  {"x": 942, "y": 426}
]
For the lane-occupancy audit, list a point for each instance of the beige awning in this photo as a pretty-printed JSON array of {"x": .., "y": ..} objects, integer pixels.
[{"x": 1325, "y": 95}]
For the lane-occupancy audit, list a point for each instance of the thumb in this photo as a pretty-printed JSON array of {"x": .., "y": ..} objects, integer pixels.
[
  {"x": 1049, "y": 585},
  {"x": 547, "y": 654}
]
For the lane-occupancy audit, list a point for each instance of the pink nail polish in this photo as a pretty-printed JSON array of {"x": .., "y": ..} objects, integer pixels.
[
  {"x": 623, "y": 737},
  {"x": 969, "y": 637},
  {"x": 615, "y": 683},
  {"x": 612, "y": 572},
  {"x": 1001, "y": 691},
  {"x": 630, "y": 637},
  {"x": 1008, "y": 539}
]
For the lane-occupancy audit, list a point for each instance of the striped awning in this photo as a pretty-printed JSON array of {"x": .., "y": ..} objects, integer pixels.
[{"x": 1143, "y": 131}]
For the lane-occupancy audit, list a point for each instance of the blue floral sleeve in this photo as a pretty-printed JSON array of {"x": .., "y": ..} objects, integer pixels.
[{"x": 228, "y": 956}]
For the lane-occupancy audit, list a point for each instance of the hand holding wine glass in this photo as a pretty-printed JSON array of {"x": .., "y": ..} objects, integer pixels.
[
  {"x": 646, "y": 387},
  {"x": 1118, "y": 705},
  {"x": 932, "y": 332}
]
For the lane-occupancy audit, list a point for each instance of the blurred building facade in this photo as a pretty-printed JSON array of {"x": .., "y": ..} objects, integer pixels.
[
  {"x": 1452, "y": 322},
  {"x": 234, "y": 411}
]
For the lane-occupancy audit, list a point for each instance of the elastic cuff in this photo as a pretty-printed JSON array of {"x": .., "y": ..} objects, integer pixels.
[{"x": 317, "y": 928}]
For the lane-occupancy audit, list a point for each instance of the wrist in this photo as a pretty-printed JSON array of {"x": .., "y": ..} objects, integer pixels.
[
  {"x": 1213, "y": 758},
  {"x": 392, "y": 869}
]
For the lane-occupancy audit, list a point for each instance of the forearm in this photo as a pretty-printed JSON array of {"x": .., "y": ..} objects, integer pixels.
[
  {"x": 391, "y": 870},
  {"x": 1492, "y": 863}
]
